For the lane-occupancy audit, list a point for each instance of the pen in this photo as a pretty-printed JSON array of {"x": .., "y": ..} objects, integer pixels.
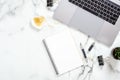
[
  {"x": 90, "y": 48},
  {"x": 83, "y": 51}
]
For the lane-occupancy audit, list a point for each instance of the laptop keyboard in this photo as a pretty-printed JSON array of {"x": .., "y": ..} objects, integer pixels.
[{"x": 104, "y": 9}]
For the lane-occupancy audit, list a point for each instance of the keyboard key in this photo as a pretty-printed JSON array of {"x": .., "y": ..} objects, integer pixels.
[{"x": 104, "y": 9}]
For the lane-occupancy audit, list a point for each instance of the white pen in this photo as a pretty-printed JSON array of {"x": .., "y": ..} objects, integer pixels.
[{"x": 83, "y": 51}]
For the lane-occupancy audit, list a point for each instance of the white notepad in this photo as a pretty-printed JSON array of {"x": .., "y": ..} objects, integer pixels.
[{"x": 63, "y": 52}]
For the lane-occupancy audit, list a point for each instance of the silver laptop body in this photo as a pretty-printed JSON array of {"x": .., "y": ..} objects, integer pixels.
[{"x": 88, "y": 23}]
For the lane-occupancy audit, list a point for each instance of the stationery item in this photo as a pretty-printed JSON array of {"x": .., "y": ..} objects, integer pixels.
[
  {"x": 91, "y": 47},
  {"x": 83, "y": 51},
  {"x": 88, "y": 37},
  {"x": 63, "y": 52},
  {"x": 100, "y": 60},
  {"x": 52, "y": 4},
  {"x": 49, "y": 3}
]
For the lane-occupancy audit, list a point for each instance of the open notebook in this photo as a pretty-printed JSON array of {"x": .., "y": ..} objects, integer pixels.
[{"x": 63, "y": 52}]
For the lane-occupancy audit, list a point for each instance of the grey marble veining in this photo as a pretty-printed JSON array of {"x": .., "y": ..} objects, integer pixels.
[
  {"x": 23, "y": 55},
  {"x": 15, "y": 14},
  {"x": 9, "y": 7}
]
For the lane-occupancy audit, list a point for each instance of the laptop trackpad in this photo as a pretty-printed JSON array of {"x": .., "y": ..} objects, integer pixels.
[{"x": 86, "y": 22}]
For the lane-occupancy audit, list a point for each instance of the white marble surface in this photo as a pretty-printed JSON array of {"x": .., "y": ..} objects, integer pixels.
[{"x": 22, "y": 53}]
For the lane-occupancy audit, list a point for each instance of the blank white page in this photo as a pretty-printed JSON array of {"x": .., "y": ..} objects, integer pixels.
[{"x": 63, "y": 52}]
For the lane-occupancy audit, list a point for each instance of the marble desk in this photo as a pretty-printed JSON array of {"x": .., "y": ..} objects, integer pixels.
[{"x": 22, "y": 52}]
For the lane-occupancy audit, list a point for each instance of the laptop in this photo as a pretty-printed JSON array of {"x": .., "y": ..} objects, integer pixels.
[{"x": 96, "y": 18}]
